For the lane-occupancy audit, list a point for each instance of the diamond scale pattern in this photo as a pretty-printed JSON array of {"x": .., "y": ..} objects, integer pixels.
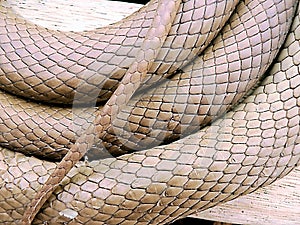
[
  {"x": 110, "y": 49},
  {"x": 249, "y": 147}
]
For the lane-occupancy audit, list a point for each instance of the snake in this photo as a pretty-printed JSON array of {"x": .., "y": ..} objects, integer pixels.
[
  {"x": 54, "y": 65},
  {"x": 250, "y": 146},
  {"x": 57, "y": 136}
]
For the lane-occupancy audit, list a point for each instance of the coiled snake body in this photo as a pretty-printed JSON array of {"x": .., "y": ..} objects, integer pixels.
[{"x": 250, "y": 146}]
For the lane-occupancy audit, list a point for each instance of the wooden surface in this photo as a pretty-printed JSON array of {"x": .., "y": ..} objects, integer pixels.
[
  {"x": 278, "y": 203},
  {"x": 73, "y": 15}
]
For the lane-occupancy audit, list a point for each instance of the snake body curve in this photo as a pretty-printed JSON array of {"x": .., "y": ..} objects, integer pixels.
[
  {"x": 54, "y": 66},
  {"x": 50, "y": 132},
  {"x": 153, "y": 179}
]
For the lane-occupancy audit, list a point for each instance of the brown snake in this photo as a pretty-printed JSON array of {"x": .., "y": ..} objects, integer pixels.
[
  {"x": 54, "y": 65},
  {"x": 250, "y": 146},
  {"x": 55, "y": 135}
]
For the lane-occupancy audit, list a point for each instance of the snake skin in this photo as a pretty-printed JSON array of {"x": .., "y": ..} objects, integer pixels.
[
  {"x": 154, "y": 39},
  {"x": 250, "y": 146},
  {"x": 55, "y": 66},
  {"x": 203, "y": 90},
  {"x": 40, "y": 133}
]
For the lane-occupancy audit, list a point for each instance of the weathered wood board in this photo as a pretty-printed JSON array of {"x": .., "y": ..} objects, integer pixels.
[{"x": 275, "y": 204}]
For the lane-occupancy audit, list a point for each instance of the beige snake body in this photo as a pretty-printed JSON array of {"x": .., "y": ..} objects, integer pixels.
[
  {"x": 208, "y": 86},
  {"x": 51, "y": 137},
  {"x": 54, "y": 66},
  {"x": 251, "y": 146},
  {"x": 38, "y": 132}
]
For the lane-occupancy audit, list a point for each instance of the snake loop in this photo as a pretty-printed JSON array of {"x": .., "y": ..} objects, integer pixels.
[{"x": 253, "y": 144}]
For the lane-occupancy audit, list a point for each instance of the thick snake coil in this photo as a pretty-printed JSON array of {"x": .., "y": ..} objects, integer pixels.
[{"x": 199, "y": 72}]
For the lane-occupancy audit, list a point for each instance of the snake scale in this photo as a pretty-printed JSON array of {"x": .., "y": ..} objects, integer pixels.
[{"x": 205, "y": 157}]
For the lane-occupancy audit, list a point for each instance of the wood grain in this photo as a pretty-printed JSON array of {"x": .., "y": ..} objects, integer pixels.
[{"x": 278, "y": 203}]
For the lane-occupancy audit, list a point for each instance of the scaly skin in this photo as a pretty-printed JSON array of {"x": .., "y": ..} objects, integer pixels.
[
  {"x": 154, "y": 39},
  {"x": 188, "y": 101},
  {"x": 55, "y": 66},
  {"x": 251, "y": 146}
]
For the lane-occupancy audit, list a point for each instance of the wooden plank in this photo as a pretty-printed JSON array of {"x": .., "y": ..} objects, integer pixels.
[
  {"x": 278, "y": 203},
  {"x": 73, "y": 15}
]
